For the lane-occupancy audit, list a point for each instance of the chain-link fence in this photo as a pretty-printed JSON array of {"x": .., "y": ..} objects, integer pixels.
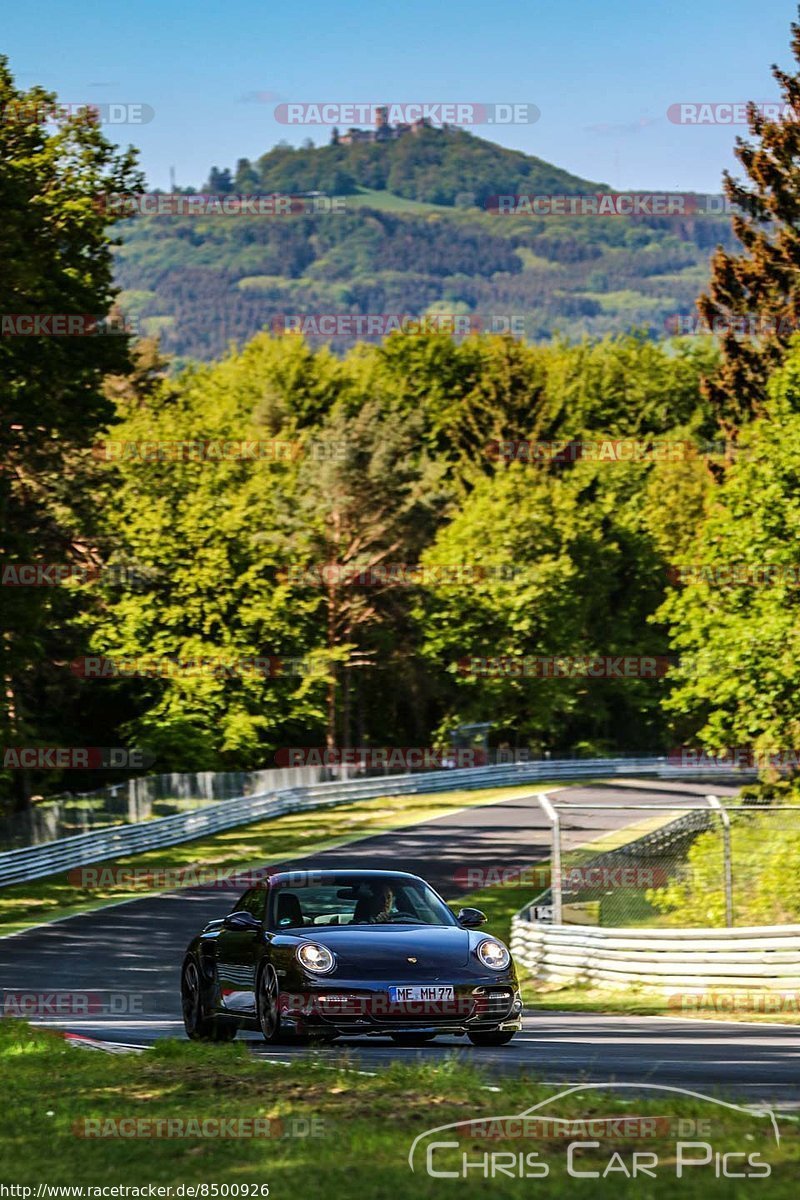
[{"x": 663, "y": 865}]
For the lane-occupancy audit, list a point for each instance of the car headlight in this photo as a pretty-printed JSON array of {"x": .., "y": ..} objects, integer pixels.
[
  {"x": 315, "y": 958},
  {"x": 493, "y": 954}
]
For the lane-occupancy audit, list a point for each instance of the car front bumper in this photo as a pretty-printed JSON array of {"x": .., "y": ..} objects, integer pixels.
[{"x": 355, "y": 1008}]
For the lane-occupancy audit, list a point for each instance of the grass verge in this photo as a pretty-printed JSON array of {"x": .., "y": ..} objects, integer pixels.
[
  {"x": 716, "y": 1005},
  {"x": 345, "y": 1134}
]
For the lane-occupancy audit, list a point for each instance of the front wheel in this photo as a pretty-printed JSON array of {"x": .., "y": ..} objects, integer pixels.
[
  {"x": 199, "y": 1026},
  {"x": 494, "y": 1037},
  {"x": 267, "y": 991}
]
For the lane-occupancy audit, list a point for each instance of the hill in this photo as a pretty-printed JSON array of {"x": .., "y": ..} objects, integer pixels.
[
  {"x": 436, "y": 166},
  {"x": 414, "y": 236}
]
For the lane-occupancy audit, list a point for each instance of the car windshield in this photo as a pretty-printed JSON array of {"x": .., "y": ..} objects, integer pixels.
[{"x": 357, "y": 901}]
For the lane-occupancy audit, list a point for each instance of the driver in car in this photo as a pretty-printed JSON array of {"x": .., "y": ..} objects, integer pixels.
[{"x": 380, "y": 907}]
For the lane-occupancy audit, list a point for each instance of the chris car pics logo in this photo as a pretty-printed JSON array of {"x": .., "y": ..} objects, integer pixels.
[{"x": 714, "y": 1139}]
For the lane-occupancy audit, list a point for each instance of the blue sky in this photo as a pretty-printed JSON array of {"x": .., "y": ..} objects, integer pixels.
[{"x": 603, "y": 75}]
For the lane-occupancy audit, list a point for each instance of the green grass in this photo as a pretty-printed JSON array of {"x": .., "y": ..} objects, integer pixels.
[
  {"x": 336, "y": 1132},
  {"x": 628, "y": 300},
  {"x": 389, "y": 202},
  {"x": 634, "y": 1001},
  {"x": 241, "y": 849}
]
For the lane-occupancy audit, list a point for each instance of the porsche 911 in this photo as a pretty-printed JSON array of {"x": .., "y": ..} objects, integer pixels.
[{"x": 325, "y": 954}]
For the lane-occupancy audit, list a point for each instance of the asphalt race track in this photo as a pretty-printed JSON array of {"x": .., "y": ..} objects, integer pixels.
[{"x": 128, "y": 957}]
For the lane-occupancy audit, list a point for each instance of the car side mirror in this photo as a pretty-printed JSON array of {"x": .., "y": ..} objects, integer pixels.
[
  {"x": 471, "y": 918},
  {"x": 242, "y": 921}
]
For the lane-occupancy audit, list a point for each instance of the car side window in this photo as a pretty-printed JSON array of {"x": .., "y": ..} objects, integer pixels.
[
  {"x": 253, "y": 902},
  {"x": 257, "y": 902},
  {"x": 243, "y": 904}
]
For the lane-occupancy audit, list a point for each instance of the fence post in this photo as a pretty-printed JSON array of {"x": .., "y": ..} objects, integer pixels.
[
  {"x": 714, "y": 803},
  {"x": 555, "y": 855}
]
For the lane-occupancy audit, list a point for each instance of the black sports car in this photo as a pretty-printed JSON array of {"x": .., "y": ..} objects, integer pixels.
[{"x": 326, "y": 953}]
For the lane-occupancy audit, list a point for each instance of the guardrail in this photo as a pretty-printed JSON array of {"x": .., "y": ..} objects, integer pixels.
[
  {"x": 759, "y": 958},
  {"x": 143, "y": 798},
  {"x": 35, "y": 862}
]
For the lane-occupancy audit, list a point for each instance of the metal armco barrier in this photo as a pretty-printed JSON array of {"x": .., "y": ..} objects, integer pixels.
[
  {"x": 764, "y": 958},
  {"x": 35, "y": 862}
]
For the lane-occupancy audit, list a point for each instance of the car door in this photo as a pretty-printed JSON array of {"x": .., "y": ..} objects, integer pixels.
[{"x": 238, "y": 954}]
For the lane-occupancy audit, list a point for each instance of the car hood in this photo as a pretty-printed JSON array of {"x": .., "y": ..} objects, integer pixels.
[{"x": 373, "y": 948}]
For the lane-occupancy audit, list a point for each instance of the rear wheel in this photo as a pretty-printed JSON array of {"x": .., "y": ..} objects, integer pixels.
[
  {"x": 493, "y": 1037},
  {"x": 199, "y": 1025},
  {"x": 412, "y": 1039}
]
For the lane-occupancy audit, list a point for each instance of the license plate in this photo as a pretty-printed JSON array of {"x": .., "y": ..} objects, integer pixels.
[{"x": 399, "y": 995}]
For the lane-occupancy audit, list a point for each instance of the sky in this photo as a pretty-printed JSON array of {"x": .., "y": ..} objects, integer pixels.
[{"x": 602, "y": 76}]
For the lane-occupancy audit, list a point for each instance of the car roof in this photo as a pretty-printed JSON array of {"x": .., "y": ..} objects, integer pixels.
[{"x": 299, "y": 878}]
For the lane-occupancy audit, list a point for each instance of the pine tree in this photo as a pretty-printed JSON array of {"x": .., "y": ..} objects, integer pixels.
[{"x": 753, "y": 300}]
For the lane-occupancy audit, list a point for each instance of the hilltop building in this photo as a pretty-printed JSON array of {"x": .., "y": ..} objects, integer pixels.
[{"x": 383, "y": 131}]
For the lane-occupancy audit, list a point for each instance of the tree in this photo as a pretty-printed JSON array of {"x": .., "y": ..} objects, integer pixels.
[
  {"x": 219, "y": 182},
  {"x": 246, "y": 176},
  {"x": 360, "y": 516},
  {"x": 736, "y": 619},
  {"x": 753, "y": 301},
  {"x": 555, "y": 568},
  {"x": 207, "y": 533},
  {"x": 55, "y": 182}
]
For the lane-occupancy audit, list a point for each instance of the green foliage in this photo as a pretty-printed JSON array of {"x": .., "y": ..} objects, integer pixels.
[
  {"x": 57, "y": 259},
  {"x": 389, "y": 467},
  {"x": 434, "y": 165},
  {"x": 752, "y": 297},
  {"x": 736, "y": 624},
  {"x": 765, "y": 856},
  {"x": 569, "y": 571},
  {"x": 406, "y": 242}
]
